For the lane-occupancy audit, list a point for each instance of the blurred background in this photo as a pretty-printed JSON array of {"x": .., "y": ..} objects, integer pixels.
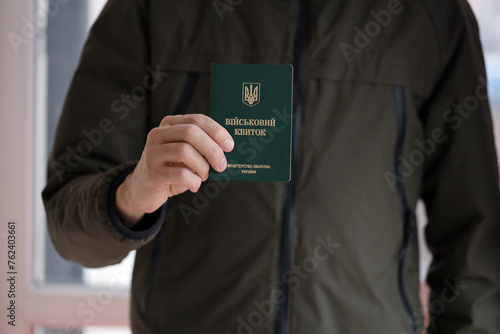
[{"x": 58, "y": 296}]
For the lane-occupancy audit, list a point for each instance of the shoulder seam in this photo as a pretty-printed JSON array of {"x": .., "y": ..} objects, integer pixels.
[{"x": 436, "y": 34}]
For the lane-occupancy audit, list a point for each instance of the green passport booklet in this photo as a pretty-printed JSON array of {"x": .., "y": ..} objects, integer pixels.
[{"x": 254, "y": 103}]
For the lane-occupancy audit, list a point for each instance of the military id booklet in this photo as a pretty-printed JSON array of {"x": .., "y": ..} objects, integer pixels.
[{"x": 254, "y": 103}]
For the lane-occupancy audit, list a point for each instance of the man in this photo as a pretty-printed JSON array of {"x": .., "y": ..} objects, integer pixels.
[{"x": 390, "y": 105}]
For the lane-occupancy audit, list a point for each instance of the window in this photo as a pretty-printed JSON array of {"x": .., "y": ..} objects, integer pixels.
[
  {"x": 25, "y": 96},
  {"x": 57, "y": 55}
]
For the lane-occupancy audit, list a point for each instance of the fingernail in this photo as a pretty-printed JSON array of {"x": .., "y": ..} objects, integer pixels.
[
  {"x": 222, "y": 164},
  {"x": 228, "y": 145}
]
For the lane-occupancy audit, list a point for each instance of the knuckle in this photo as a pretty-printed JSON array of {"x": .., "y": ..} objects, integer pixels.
[
  {"x": 220, "y": 135},
  {"x": 216, "y": 153},
  {"x": 184, "y": 174},
  {"x": 166, "y": 120},
  {"x": 183, "y": 149},
  {"x": 198, "y": 119},
  {"x": 153, "y": 133},
  {"x": 190, "y": 130}
]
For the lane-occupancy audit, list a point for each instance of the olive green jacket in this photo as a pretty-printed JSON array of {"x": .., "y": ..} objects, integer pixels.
[{"x": 391, "y": 106}]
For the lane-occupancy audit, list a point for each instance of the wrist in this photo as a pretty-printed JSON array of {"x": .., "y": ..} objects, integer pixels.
[{"x": 125, "y": 209}]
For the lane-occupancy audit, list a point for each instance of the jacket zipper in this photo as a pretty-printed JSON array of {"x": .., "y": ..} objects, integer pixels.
[
  {"x": 286, "y": 245},
  {"x": 156, "y": 255},
  {"x": 154, "y": 261},
  {"x": 406, "y": 212}
]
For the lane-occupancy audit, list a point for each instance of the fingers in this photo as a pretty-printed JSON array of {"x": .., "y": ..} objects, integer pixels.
[
  {"x": 177, "y": 157},
  {"x": 204, "y": 134},
  {"x": 183, "y": 154},
  {"x": 179, "y": 153},
  {"x": 172, "y": 176},
  {"x": 213, "y": 129},
  {"x": 198, "y": 139}
]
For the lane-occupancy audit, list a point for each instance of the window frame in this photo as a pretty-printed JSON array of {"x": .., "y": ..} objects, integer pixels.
[{"x": 58, "y": 307}]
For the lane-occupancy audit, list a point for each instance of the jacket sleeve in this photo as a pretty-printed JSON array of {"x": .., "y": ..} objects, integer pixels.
[
  {"x": 99, "y": 139},
  {"x": 460, "y": 186}
]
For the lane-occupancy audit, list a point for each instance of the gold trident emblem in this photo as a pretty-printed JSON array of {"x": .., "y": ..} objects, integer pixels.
[{"x": 251, "y": 93}]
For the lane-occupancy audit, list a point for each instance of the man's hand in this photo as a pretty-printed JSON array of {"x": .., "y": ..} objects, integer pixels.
[{"x": 177, "y": 157}]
